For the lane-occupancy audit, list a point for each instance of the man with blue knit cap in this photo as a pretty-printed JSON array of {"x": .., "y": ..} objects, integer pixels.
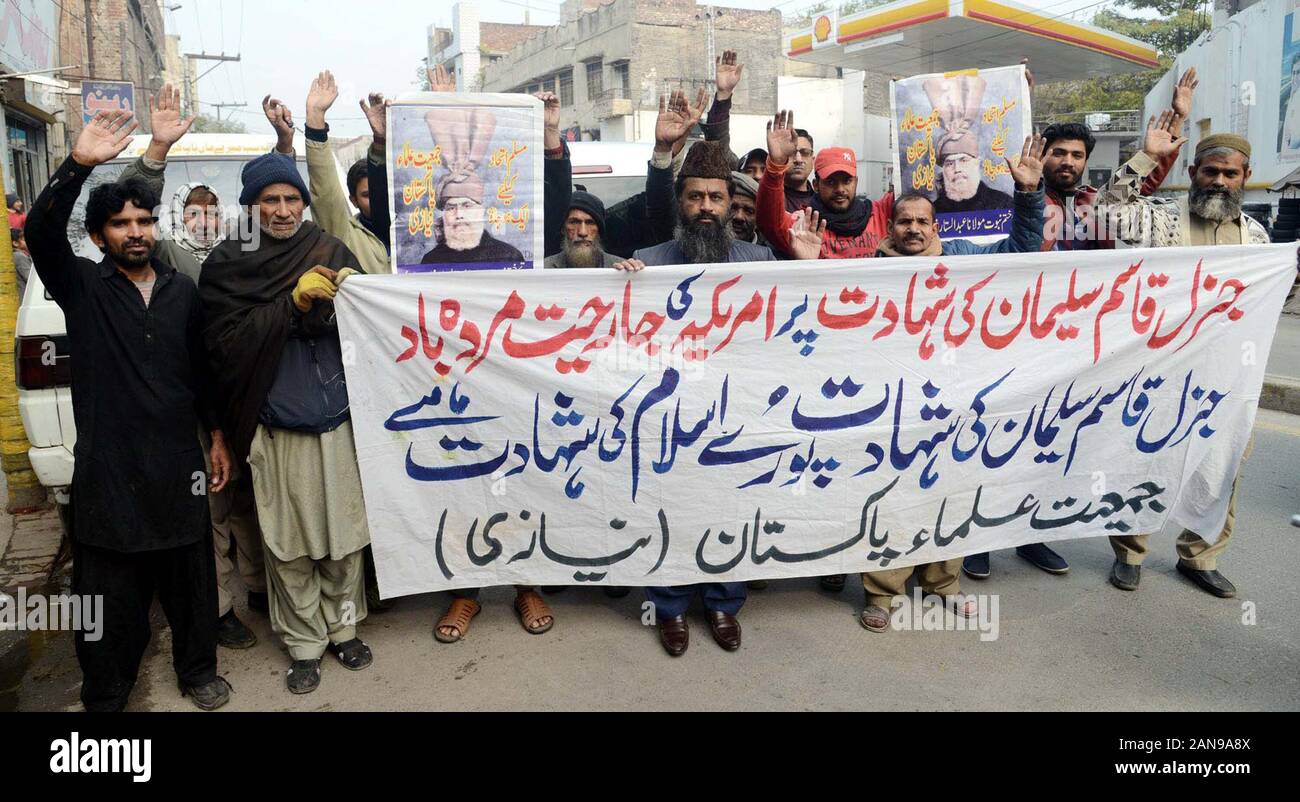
[{"x": 272, "y": 339}]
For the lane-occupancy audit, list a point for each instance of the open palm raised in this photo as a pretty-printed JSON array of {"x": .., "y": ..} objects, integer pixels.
[
  {"x": 1027, "y": 171},
  {"x": 104, "y": 138}
]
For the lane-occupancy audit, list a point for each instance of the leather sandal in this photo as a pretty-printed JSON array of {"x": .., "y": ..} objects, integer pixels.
[
  {"x": 875, "y": 618},
  {"x": 457, "y": 617},
  {"x": 532, "y": 609}
]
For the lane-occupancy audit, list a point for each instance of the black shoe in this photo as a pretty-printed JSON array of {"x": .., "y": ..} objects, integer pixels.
[
  {"x": 1042, "y": 557},
  {"x": 976, "y": 566},
  {"x": 617, "y": 591},
  {"x": 208, "y": 696},
  {"x": 1125, "y": 576},
  {"x": 1211, "y": 582},
  {"x": 232, "y": 633},
  {"x": 303, "y": 676},
  {"x": 756, "y": 584},
  {"x": 833, "y": 583},
  {"x": 354, "y": 655},
  {"x": 259, "y": 602}
]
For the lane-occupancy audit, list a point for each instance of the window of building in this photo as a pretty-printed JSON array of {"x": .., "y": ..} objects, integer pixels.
[
  {"x": 566, "y": 88},
  {"x": 595, "y": 79},
  {"x": 622, "y": 79}
]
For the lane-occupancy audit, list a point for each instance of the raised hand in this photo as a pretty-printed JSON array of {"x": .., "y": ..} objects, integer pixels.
[
  {"x": 278, "y": 115},
  {"x": 376, "y": 114},
  {"x": 806, "y": 235},
  {"x": 440, "y": 80},
  {"x": 676, "y": 117},
  {"x": 324, "y": 91},
  {"x": 1027, "y": 171},
  {"x": 1029, "y": 76},
  {"x": 781, "y": 138},
  {"x": 1182, "y": 103},
  {"x": 1162, "y": 137},
  {"x": 550, "y": 119},
  {"x": 166, "y": 124},
  {"x": 104, "y": 138},
  {"x": 727, "y": 74}
]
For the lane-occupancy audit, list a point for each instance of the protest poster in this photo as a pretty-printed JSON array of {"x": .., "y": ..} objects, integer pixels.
[
  {"x": 952, "y": 135},
  {"x": 465, "y": 182},
  {"x": 1288, "y": 113},
  {"x": 742, "y": 421}
]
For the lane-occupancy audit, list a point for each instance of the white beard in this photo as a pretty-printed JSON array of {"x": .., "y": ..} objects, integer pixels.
[{"x": 462, "y": 238}]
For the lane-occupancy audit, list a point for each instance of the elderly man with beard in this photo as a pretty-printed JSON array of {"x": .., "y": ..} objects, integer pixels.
[
  {"x": 462, "y": 234},
  {"x": 703, "y": 235},
  {"x": 274, "y": 341},
  {"x": 141, "y": 388},
  {"x": 963, "y": 189},
  {"x": 584, "y": 228},
  {"x": 1209, "y": 215},
  {"x": 744, "y": 208}
]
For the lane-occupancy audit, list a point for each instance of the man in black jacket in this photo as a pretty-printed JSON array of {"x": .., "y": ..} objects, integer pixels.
[{"x": 140, "y": 387}]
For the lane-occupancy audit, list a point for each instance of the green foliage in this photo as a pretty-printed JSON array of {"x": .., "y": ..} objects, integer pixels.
[
  {"x": 204, "y": 124},
  {"x": 1170, "y": 26}
]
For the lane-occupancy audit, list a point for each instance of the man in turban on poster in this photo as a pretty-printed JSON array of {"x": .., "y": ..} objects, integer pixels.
[{"x": 963, "y": 189}]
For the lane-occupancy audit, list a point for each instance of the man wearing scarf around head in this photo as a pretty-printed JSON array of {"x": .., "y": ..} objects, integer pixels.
[
  {"x": 191, "y": 229},
  {"x": 274, "y": 344}
]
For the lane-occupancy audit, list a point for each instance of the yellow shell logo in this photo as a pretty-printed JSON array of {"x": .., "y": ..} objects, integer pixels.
[{"x": 822, "y": 28}]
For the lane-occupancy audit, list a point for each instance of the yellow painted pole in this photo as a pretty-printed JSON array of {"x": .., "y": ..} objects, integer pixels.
[{"x": 25, "y": 491}]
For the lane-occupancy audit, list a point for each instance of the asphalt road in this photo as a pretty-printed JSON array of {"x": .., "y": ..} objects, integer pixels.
[{"x": 1064, "y": 643}]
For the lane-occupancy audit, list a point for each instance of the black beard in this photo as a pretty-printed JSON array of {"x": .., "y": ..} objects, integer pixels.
[
  {"x": 1055, "y": 183},
  {"x": 128, "y": 261},
  {"x": 582, "y": 255},
  {"x": 1214, "y": 205},
  {"x": 705, "y": 243}
]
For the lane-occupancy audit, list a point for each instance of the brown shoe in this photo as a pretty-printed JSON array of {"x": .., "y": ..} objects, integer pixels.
[
  {"x": 726, "y": 630},
  {"x": 675, "y": 635}
]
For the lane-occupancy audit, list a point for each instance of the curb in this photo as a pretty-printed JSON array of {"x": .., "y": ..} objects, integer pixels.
[{"x": 1281, "y": 394}]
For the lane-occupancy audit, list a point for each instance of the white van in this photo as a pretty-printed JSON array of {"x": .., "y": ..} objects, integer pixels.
[
  {"x": 44, "y": 385},
  {"x": 612, "y": 171}
]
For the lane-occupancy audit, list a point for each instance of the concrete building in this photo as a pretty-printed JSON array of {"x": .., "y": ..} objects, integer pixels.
[
  {"x": 112, "y": 40},
  {"x": 1248, "y": 64},
  {"x": 610, "y": 60}
]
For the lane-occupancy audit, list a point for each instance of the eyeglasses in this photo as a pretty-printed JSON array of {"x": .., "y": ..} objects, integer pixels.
[{"x": 461, "y": 206}]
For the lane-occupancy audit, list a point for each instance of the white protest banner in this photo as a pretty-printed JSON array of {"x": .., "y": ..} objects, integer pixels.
[
  {"x": 465, "y": 181},
  {"x": 741, "y": 421},
  {"x": 953, "y": 134}
]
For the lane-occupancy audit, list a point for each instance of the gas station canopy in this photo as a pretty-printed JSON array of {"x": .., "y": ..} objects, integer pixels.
[{"x": 910, "y": 37}]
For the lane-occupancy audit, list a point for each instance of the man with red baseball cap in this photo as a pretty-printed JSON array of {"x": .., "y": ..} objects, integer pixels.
[{"x": 854, "y": 226}]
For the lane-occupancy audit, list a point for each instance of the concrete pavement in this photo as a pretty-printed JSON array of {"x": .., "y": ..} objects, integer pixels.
[{"x": 1065, "y": 643}]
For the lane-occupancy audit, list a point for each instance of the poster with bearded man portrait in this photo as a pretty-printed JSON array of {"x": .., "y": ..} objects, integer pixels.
[
  {"x": 465, "y": 181},
  {"x": 954, "y": 132}
]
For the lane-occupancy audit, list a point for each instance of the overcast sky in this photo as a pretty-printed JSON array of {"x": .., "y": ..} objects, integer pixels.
[{"x": 369, "y": 46}]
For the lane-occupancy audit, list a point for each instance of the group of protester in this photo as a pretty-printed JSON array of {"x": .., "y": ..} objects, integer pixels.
[{"x": 198, "y": 354}]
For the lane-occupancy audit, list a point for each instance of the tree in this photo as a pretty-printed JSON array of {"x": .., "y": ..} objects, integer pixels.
[
  {"x": 1171, "y": 26},
  {"x": 205, "y": 124}
]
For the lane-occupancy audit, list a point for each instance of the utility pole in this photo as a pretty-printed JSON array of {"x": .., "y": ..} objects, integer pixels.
[
  {"x": 90, "y": 40},
  {"x": 217, "y": 57},
  {"x": 220, "y": 106},
  {"x": 709, "y": 15}
]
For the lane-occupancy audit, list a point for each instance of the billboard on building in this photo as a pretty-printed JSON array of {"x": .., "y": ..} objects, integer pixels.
[
  {"x": 1288, "y": 113},
  {"x": 28, "y": 30},
  {"x": 97, "y": 96}
]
